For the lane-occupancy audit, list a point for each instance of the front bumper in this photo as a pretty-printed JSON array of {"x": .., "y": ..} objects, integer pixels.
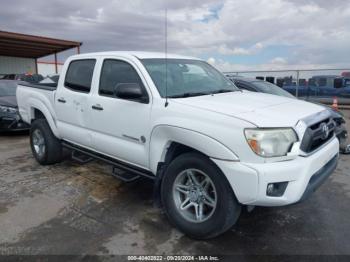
[
  {"x": 319, "y": 177},
  {"x": 12, "y": 123},
  {"x": 303, "y": 174}
]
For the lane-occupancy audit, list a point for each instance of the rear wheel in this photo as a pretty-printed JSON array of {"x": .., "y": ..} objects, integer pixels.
[
  {"x": 198, "y": 198},
  {"x": 46, "y": 148}
]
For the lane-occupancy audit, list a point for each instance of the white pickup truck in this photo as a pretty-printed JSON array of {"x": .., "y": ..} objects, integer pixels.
[{"x": 210, "y": 148}]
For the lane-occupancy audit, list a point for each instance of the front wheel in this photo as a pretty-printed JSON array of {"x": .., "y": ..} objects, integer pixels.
[
  {"x": 198, "y": 198},
  {"x": 46, "y": 148}
]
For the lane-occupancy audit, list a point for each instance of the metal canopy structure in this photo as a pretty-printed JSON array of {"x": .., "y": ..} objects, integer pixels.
[{"x": 30, "y": 46}]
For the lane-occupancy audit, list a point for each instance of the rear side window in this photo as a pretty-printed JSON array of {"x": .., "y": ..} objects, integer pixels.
[
  {"x": 79, "y": 75},
  {"x": 116, "y": 72}
]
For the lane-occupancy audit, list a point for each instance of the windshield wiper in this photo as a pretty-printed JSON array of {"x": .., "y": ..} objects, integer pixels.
[{"x": 190, "y": 94}]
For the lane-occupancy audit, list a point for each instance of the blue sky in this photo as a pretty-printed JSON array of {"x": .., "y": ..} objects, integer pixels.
[{"x": 213, "y": 13}]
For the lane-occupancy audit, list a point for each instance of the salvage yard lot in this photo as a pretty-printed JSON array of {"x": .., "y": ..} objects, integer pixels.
[{"x": 81, "y": 209}]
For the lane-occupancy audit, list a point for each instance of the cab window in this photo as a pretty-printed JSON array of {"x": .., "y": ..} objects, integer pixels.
[
  {"x": 116, "y": 72},
  {"x": 79, "y": 75}
]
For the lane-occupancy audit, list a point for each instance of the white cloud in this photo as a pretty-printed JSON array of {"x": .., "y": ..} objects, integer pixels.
[
  {"x": 316, "y": 33},
  {"x": 225, "y": 50},
  {"x": 211, "y": 60},
  {"x": 279, "y": 61}
]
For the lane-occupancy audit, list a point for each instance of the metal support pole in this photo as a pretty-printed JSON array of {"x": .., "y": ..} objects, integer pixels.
[
  {"x": 36, "y": 66},
  {"x": 297, "y": 84},
  {"x": 78, "y": 49},
  {"x": 56, "y": 68}
]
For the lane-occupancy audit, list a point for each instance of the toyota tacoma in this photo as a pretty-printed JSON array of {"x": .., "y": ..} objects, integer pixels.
[{"x": 211, "y": 148}]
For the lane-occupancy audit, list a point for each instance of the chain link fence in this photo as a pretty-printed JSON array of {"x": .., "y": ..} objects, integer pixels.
[{"x": 317, "y": 85}]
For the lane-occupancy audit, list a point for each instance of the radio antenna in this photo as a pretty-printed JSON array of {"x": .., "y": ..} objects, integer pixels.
[{"x": 166, "y": 53}]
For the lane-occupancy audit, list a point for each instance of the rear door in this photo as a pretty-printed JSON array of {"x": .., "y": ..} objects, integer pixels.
[{"x": 72, "y": 101}]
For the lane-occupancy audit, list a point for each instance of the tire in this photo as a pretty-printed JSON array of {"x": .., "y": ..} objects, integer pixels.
[
  {"x": 212, "y": 221},
  {"x": 49, "y": 150}
]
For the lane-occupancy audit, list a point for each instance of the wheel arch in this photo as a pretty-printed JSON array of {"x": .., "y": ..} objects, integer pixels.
[
  {"x": 168, "y": 141},
  {"x": 39, "y": 111}
]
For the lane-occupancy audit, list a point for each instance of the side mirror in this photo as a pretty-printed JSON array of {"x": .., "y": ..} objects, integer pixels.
[{"x": 130, "y": 91}]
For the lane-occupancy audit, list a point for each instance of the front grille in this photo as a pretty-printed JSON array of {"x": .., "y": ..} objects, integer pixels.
[{"x": 316, "y": 135}]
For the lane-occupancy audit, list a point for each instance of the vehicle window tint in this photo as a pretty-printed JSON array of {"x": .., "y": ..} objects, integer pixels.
[
  {"x": 79, "y": 75},
  {"x": 10, "y": 77},
  {"x": 115, "y": 72}
]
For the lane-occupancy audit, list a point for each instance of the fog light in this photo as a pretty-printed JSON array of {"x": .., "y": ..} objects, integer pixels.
[{"x": 276, "y": 189}]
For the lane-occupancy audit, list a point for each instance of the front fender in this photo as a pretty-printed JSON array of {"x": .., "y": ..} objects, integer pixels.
[{"x": 163, "y": 135}]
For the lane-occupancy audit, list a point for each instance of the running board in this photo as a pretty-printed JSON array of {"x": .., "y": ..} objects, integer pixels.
[
  {"x": 124, "y": 176},
  {"x": 81, "y": 157},
  {"x": 117, "y": 164}
]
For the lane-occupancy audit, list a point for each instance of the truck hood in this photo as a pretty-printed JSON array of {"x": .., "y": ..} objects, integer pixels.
[{"x": 262, "y": 110}]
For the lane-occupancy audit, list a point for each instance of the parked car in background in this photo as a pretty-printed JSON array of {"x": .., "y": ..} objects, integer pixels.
[
  {"x": 30, "y": 78},
  {"x": 10, "y": 120},
  {"x": 50, "y": 79},
  {"x": 322, "y": 89},
  {"x": 255, "y": 85},
  {"x": 210, "y": 148}
]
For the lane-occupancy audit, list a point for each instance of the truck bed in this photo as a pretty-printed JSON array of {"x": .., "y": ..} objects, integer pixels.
[
  {"x": 35, "y": 96},
  {"x": 49, "y": 87}
]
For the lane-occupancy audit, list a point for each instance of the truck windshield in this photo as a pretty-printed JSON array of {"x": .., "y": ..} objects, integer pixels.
[{"x": 186, "y": 78}]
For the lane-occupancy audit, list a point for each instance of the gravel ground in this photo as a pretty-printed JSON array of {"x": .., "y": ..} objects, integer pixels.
[{"x": 72, "y": 209}]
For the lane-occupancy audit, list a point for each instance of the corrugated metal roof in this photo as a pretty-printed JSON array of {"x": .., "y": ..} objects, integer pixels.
[{"x": 30, "y": 46}]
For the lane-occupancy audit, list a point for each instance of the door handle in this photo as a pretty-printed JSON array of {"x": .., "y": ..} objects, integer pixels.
[
  {"x": 97, "y": 107},
  {"x": 61, "y": 100}
]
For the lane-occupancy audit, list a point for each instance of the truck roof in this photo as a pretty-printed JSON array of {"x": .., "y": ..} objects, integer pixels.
[{"x": 138, "y": 54}]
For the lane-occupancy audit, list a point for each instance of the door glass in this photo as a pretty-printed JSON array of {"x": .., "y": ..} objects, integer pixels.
[
  {"x": 79, "y": 75},
  {"x": 116, "y": 72}
]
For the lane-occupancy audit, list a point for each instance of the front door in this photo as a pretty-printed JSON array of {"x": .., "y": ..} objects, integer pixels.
[{"x": 120, "y": 127}]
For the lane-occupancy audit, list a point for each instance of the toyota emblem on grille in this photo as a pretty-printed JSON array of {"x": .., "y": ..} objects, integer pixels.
[{"x": 325, "y": 131}]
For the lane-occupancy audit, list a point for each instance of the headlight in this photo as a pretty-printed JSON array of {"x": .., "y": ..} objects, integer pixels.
[
  {"x": 271, "y": 142},
  {"x": 7, "y": 109}
]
